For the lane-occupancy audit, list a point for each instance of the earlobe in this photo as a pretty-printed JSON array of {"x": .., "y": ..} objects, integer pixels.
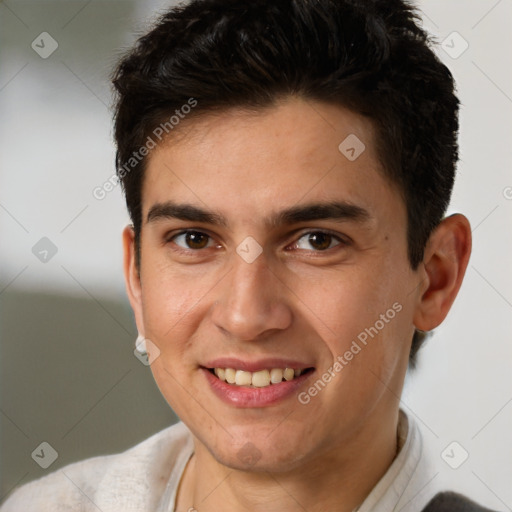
[
  {"x": 445, "y": 262},
  {"x": 132, "y": 277}
]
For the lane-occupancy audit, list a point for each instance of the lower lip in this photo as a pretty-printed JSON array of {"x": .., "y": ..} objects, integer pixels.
[{"x": 242, "y": 396}]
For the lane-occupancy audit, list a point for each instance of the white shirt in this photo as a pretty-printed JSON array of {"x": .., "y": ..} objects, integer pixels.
[{"x": 146, "y": 477}]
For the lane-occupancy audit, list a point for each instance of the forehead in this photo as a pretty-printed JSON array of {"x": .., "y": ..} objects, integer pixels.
[{"x": 258, "y": 162}]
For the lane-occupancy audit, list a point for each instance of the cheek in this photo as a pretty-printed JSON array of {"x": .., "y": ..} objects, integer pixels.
[
  {"x": 171, "y": 299},
  {"x": 362, "y": 311},
  {"x": 342, "y": 303}
]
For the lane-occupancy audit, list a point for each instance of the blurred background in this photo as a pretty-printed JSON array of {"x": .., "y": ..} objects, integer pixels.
[{"x": 68, "y": 373}]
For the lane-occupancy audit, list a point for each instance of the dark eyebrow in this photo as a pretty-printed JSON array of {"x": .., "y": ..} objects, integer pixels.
[
  {"x": 339, "y": 210},
  {"x": 316, "y": 211},
  {"x": 170, "y": 210}
]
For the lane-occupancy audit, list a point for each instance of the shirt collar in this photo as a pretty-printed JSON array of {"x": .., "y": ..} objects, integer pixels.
[
  {"x": 401, "y": 486},
  {"x": 400, "y": 489}
]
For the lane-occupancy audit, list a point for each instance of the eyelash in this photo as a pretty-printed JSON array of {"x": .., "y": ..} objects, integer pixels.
[{"x": 343, "y": 242}]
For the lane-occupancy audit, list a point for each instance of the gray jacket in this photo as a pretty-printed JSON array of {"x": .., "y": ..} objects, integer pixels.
[{"x": 453, "y": 502}]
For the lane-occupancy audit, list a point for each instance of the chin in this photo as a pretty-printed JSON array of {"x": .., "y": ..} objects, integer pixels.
[{"x": 260, "y": 453}]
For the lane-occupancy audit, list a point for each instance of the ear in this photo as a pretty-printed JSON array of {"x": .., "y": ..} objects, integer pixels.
[
  {"x": 132, "y": 277},
  {"x": 444, "y": 265}
]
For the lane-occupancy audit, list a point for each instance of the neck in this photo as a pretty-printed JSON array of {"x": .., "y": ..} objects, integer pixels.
[{"x": 335, "y": 478}]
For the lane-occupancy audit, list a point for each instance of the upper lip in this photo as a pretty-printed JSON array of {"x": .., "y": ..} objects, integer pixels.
[{"x": 258, "y": 364}]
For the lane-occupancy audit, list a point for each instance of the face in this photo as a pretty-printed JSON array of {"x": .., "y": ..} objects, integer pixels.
[{"x": 265, "y": 247}]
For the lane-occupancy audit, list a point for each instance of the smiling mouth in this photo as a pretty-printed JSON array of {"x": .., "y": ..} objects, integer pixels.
[{"x": 259, "y": 379}]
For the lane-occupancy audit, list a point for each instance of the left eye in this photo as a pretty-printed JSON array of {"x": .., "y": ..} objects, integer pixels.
[
  {"x": 318, "y": 241},
  {"x": 193, "y": 240}
]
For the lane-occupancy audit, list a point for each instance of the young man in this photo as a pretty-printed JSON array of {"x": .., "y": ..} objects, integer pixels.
[{"x": 287, "y": 166}]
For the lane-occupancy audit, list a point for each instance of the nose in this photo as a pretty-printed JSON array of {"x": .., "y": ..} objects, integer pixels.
[{"x": 252, "y": 302}]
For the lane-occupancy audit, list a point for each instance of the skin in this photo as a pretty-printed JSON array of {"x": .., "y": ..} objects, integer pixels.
[{"x": 294, "y": 301}]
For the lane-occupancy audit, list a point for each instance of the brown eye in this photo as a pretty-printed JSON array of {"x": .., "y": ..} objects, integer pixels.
[
  {"x": 320, "y": 241},
  {"x": 192, "y": 240},
  {"x": 196, "y": 240},
  {"x": 317, "y": 241}
]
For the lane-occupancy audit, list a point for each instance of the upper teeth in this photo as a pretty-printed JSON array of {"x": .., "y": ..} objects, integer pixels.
[{"x": 257, "y": 379}]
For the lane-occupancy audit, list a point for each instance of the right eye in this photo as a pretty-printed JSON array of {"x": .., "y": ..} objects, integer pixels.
[{"x": 193, "y": 240}]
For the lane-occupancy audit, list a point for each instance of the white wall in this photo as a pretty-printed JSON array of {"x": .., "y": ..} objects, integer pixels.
[{"x": 463, "y": 389}]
